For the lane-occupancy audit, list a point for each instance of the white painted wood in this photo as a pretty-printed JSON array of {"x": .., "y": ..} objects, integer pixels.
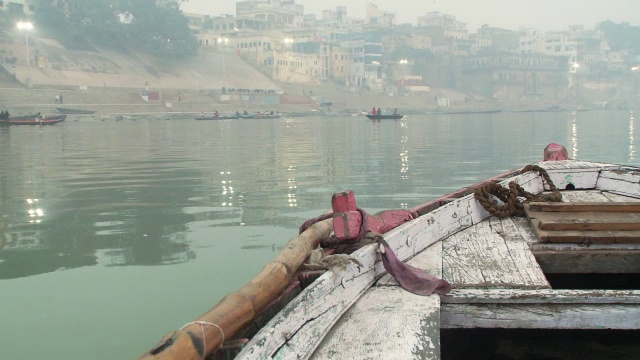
[
  {"x": 386, "y": 323},
  {"x": 542, "y": 296},
  {"x": 540, "y": 316},
  {"x": 491, "y": 254},
  {"x": 573, "y": 165},
  {"x": 582, "y": 174},
  {"x": 397, "y": 324},
  {"x": 619, "y": 198},
  {"x": 620, "y": 181},
  {"x": 575, "y": 247},
  {"x": 584, "y": 196},
  {"x": 524, "y": 228},
  {"x": 327, "y": 298}
]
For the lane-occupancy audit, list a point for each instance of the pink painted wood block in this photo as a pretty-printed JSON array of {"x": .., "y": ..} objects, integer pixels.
[
  {"x": 343, "y": 201},
  {"x": 555, "y": 152},
  {"x": 347, "y": 220}
]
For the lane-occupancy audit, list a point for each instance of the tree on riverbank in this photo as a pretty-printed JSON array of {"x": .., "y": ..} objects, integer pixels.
[{"x": 156, "y": 27}]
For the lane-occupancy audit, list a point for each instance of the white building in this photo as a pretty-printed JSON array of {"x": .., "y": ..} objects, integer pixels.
[{"x": 18, "y": 6}]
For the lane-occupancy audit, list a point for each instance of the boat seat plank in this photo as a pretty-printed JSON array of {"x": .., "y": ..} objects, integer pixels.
[
  {"x": 610, "y": 222},
  {"x": 491, "y": 254},
  {"x": 541, "y": 296},
  {"x": 541, "y": 316},
  {"x": 386, "y": 323}
]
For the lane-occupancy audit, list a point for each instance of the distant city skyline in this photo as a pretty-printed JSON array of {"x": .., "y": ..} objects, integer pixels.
[{"x": 509, "y": 14}]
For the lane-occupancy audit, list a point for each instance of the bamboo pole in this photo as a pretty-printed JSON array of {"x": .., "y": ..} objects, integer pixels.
[{"x": 202, "y": 337}]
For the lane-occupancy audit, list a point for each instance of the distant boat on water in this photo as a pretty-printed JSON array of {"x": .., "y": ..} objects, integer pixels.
[
  {"x": 34, "y": 120},
  {"x": 384, "y": 116}
]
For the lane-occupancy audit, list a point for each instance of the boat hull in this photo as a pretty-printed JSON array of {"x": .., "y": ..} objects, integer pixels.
[{"x": 47, "y": 120}]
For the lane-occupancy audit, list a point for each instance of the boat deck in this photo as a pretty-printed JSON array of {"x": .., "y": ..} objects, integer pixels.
[{"x": 497, "y": 270}]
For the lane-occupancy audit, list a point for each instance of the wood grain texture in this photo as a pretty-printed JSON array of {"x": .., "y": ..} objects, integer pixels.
[
  {"x": 386, "y": 323},
  {"x": 541, "y": 316}
]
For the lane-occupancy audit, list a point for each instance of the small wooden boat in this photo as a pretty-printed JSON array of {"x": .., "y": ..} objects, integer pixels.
[
  {"x": 74, "y": 111},
  {"x": 36, "y": 120},
  {"x": 480, "y": 257},
  {"x": 239, "y": 117},
  {"x": 384, "y": 116}
]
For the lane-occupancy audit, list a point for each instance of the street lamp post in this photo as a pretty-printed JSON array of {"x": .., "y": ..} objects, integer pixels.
[
  {"x": 223, "y": 42},
  {"x": 26, "y": 26}
]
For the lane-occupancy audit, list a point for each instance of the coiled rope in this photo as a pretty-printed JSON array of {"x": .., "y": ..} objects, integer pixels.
[{"x": 510, "y": 197}]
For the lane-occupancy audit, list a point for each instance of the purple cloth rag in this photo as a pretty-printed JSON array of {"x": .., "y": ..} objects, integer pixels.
[{"x": 411, "y": 278}]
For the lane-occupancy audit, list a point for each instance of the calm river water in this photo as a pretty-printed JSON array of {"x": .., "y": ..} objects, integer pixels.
[{"x": 113, "y": 233}]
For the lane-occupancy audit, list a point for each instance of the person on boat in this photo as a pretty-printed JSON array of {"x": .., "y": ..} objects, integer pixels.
[
  {"x": 395, "y": 111},
  {"x": 246, "y": 113},
  {"x": 379, "y": 111},
  {"x": 373, "y": 110},
  {"x": 216, "y": 113},
  {"x": 238, "y": 113}
]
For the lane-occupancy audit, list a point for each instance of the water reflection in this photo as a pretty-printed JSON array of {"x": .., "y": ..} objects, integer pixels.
[
  {"x": 136, "y": 194},
  {"x": 574, "y": 137},
  {"x": 632, "y": 137}
]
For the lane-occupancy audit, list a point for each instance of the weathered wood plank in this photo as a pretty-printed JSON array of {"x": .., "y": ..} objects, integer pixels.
[
  {"x": 589, "y": 225},
  {"x": 624, "y": 181},
  {"x": 491, "y": 254},
  {"x": 524, "y": 228},
  {"x": 579, "y": 174},
  {"x": 325, "y": 300},
  {"x": 573, "y": 165},
  {"x": 540, "y": 316},
  {"x": 573, "y": 247},
  {"x": 415, "y": 334},
  {"x": 586, "y": 237},
  {"x": 587, "y": 260},
  {"x": 585, "y": 206},
  {"x": 584, "y": 196},
  {"x": 542, "y": 296},
  {"x": 530, "y": 273},
  {"x": 386, "y": 323},
  {"x": 618, "y": 198}
]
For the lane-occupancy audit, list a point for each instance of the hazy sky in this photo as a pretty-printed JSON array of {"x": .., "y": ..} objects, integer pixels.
[{"x": 510, "y": 14}]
